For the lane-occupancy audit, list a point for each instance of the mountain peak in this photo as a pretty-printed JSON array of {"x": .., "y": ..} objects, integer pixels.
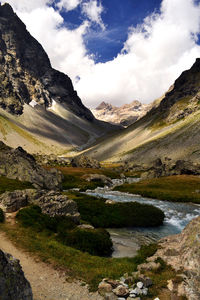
[{"x": 26, "y": 74}]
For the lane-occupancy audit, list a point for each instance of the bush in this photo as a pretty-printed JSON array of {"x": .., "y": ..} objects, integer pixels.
[
  {"x": 95, "y": 242},
  {"x": 32, "y": 216},
  {"x": 99, "y": 214},
  {"x": 1, "y": 216}
]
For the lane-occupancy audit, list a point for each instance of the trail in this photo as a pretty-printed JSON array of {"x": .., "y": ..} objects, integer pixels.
[{"x": 46, "y": 282}]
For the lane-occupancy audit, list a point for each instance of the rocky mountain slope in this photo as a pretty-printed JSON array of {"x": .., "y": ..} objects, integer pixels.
[
  {"x": 124, "y": 115},
  {"x": 171, "y": 129},
  {"x": 39, "y": 106}
]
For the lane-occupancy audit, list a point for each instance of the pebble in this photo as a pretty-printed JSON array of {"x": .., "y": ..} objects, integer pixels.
[{"x": 140, "y": 285}]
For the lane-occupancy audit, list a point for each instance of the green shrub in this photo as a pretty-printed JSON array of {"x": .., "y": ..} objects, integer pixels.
[
  {"x": 71, "y": 181},
  {"x": 1, "y": 216},
  {"x": 33, "y": 217},
  {"x": 99, "y": 214},
  {"x": 145, "y": 252},
  {"x": 93, "y": 241}
]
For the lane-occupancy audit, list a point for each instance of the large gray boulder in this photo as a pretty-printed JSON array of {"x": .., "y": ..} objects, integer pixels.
[
  {"x": 52, "y": 203},
  {"x": 13, "y": 284},
  {"x": 18, "y": 164}
]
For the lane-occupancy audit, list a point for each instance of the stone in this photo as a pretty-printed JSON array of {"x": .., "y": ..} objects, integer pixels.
[
  {"x": 145, "y": 291},
  {"x": 121, "y": 291},
  {"x": 110, "y": 296},
  {"x": 98, "y": 178},
  {"x": 104, "y": 288},
  {"x": 13, "y": 201},
  {"x": 84, "y": 161},
  {"x": 85, "y": 226},
  {"x": 140, "y": 285},
  {"x": 149, "y": 266},
  {"x": 18, "y": 164},
  {"x": 113, "y": 283},
  {"x": 13, "y": 284},
  {"x": 128, "y": 280}
]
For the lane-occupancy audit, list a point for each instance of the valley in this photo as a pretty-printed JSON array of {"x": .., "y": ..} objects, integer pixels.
[{"x": 102, "y": 204}]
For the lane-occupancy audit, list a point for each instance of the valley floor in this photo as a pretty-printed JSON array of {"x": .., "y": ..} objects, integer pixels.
[{"x": 46, "y": 282}]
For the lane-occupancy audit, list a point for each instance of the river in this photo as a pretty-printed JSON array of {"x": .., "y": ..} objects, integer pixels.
[{"x": 127, "y": 241}]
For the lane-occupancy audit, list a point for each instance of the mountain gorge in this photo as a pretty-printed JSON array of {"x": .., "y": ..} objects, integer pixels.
[{"x": 39, "y": 106}]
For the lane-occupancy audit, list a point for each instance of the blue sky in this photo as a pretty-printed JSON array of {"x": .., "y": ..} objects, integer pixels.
[
  {"x": 116, "y": 50},
  {"x": 118, "y": 16}
]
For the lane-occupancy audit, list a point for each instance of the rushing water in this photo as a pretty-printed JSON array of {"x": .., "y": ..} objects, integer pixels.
[{"x": 128, "y": 240}]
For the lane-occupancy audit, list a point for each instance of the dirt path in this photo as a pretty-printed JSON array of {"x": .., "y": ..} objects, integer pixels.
[{"x": 46, "y": 282}]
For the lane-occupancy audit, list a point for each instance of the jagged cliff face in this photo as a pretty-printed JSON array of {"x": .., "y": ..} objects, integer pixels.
[
  {"x": 26, "y": 74},
  {"x": 124, "y": 115}
]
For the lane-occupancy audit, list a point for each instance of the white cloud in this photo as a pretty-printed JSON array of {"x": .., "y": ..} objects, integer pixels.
[
  {"x": 68, "y": 4},
  {"x": 154, "y": 55},
  {"x": 93, "y": 10}
]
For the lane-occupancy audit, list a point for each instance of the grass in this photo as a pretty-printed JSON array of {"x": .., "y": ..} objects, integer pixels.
[
  {"x": 180, "y": 188},
  {"x": 77, "y": 264},
  {"x": 7, "y": 184},
  {"x": 93, "y": 241},
  {"x": 96, "y": 212}
]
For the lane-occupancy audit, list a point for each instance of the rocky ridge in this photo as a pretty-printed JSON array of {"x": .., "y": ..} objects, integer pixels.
[
  {"x": 124, "y": 115},
  {"x": 13, "y": 284}
]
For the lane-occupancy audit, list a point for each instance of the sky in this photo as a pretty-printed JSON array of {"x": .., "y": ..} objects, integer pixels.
[{"x": 116, "y": 51}]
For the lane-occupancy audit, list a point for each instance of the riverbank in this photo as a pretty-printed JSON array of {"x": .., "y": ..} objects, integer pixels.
[{"x": 180, "y": 188}]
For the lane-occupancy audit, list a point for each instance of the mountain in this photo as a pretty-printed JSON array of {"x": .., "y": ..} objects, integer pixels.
[
  {"x": 124, "y": 115},
  {"x": 39, "y": 108},
  {"x": 170, "y": 129}
]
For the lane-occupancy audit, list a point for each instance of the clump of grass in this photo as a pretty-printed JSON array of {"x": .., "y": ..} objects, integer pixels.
[
  {"x": 96, "y": 212},
  {"x": 93, "y": 241},
  {"x": 7, "y": 184},
  {"x": 180, "y": 188},
  {"x": 1, "y": 216}
]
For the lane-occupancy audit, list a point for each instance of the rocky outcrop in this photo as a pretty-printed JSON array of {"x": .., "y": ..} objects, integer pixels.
[
  {"x": 26, "y": 75},
  {"x": 168, "y": 167},
  {"x": 13, "y": 284},
  {"x": 182, "y": 252},
  {"x": 18, "y": 164},
  {"x": 124, "y": 115},
  {"x": 52, "y": 203},
  {"x": 83, "y": 161}
]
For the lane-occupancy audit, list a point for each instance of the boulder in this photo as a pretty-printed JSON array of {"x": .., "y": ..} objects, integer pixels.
[
  {"x": 83, "y": 161},
  {"x": 13, "y": 201},
  {"x": 98, "y": 178},
  {"x": 18, "y": 164},
  {"x": 121, "y": 291},
  {"x": 104, "y": 288},
  {"x": 51, "y": 202},
  {"x": 13, "y": 284}
]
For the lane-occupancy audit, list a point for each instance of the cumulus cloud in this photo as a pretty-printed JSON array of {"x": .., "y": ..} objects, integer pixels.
[
  {"x": 68, "y": 4},
  {"x": 93, "y": 10},
  {"x": 154, "y": 55}
]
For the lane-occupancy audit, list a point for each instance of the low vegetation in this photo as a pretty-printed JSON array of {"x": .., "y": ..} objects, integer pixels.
[
  {"x": 180, "y": 188},
  {"x": 7, "y": 184},
  {"x": 81, "y": 265},
  {"x": 93, "y": 241},
  {"x": 1, "y": 216},
  {"x": 96, "y": 212}
]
